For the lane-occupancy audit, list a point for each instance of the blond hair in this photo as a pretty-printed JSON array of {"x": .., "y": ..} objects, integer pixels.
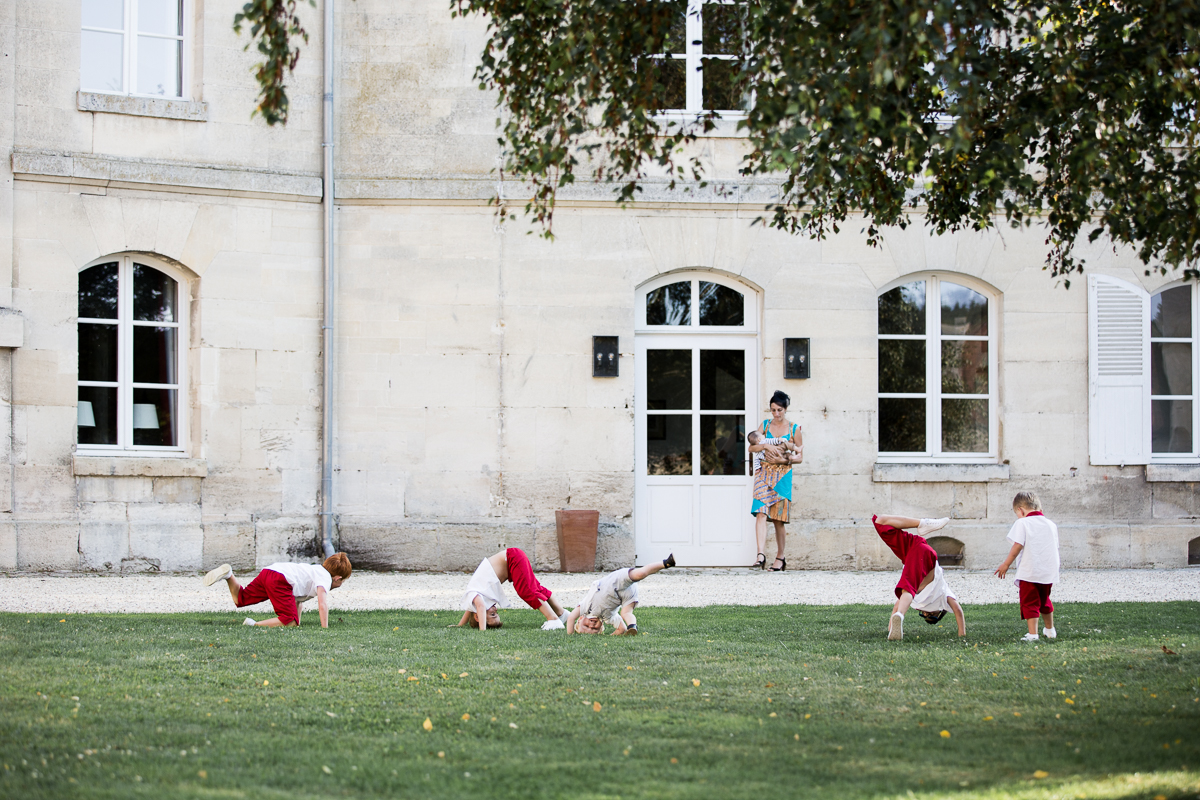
[{"x": 1028, "y": 501}]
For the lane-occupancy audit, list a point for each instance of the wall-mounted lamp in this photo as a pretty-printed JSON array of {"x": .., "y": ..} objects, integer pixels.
[
  {"x": 795, "y": 358},
  {"x": 606, "y": 356}
]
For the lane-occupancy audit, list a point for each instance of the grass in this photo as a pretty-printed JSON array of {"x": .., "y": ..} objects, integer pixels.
[{"x": 723, "y": 702}]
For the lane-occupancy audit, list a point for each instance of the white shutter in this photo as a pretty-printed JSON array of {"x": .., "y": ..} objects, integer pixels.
[{"x": 1118, "y": 372}]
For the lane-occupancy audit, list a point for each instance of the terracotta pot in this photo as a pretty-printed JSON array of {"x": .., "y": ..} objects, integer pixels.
[{"x": 577, "y": 531}]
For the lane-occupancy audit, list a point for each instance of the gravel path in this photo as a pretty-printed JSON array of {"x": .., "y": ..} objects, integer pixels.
[{"x": 74, "y": 594}]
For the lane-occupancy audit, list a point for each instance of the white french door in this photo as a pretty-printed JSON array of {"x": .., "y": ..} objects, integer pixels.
[{"x": 695, "y": 400}]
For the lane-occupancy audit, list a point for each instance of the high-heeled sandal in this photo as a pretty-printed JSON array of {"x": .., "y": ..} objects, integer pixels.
[
  {"x": 761, "y": 563},
  {"x": 782, "y": 561}
]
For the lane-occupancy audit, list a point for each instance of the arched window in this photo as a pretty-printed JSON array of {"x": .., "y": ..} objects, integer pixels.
[
  {"x": 131, "y": 345},
  {"x": 1173, "y": 366},
  {"x": 701, "y": 304},
  {"x": 937, "y": 370}
]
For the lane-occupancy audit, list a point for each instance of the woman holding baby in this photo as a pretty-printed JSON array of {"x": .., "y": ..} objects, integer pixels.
[{"x": 774, "y": 448}]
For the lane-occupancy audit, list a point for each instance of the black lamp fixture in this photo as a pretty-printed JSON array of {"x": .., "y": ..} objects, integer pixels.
[
  {"x": 606, "y": 356},
  {"x": 795, "y": 358}
]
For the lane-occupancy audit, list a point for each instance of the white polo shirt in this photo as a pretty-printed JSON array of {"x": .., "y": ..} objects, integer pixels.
[
  {"x": 304, "y": 578},
  {"x": 934, "y": 597},
  {"x": 486, "y": 584},
  {"x": 1038, "y": 560}
]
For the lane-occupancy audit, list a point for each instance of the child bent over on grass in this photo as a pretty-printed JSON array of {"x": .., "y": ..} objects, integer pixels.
[
  {"x": 922, "y": 584},
  {"x": 484, "y": 593},
  {"x": 1035, "y": 551},
  {"x": 287, "y": 586},
  {"x": 613, "y": 598}
]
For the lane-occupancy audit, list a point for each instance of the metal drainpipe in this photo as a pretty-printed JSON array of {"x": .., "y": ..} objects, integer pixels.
[{"x": 327, "y": 307}]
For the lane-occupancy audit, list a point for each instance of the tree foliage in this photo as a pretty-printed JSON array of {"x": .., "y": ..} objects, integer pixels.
[{"x": 275, "y": 27}]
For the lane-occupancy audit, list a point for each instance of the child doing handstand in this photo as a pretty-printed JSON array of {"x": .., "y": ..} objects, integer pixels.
[
  {"x": 612, "y": 599},
  {"x": 1035, "y": 551},
  {"x": 484, "y": 593},
  {"x": 287, "y": 586},
  {"x": 922, "y": 583}
]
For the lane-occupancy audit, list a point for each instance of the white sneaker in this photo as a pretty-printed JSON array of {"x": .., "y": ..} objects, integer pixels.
[
  {"x": 563, "y": 617},
  {"x": 553, "y": 625},
  {"x": 1029, "y": 637},
  {"x": 249, "y": 621},
  {"x": 1050, "y": 633},
  {"x": 221, "y": 573},
  {"x": 896, "y": 627},
  {"x": 929, "y": 526}
]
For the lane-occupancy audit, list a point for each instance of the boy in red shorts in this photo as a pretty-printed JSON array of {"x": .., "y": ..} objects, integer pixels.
[
  {"x": 1035, "y": 551},
  {"x": 287, "y": 586},
  {"x": 484, "y": 593},
  {"x": 922, "y": 584}
]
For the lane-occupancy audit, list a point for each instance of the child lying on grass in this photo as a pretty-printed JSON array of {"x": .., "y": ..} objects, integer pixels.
[
  {"x": 287, "y": 586},
  {"x": 922, "y": 583},
  {"x": 613, "y": 598},
  {"x": 484, "y": 593}
]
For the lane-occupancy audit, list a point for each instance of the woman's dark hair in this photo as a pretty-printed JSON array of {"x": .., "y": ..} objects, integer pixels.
[{"x": 781, "y": 399}]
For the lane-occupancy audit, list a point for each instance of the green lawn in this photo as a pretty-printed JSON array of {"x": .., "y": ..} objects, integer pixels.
[{"x": 789, "y": 701}]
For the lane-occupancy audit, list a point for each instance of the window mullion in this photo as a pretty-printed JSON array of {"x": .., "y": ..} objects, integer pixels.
[
  {"x": 125, "y": 360},
  {"x": 933, "y": 372},
  {"x": 130, "y": 37},
  {"x": 693, "y": 82}
]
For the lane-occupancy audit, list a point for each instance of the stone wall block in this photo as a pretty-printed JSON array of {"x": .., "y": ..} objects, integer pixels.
[
  {"x": 841, "y": 496},
  {"x": 256, "y": 492},
  {"x": 44, "y": 493},
  {"x": 222, "y": 444},
  {"x": 228, "y": 542},
  {"x": 614, "y": 547},
  {"x": 1064, "y": 497},
  {"x": 870, "y": 551},
  {"x": 1160, "y": 546},
  {"x": 236, "y": 376},
  {"x": 169, "y": 536},
  {"x": 1173, "y": 500},
  {"x": 610, "y": 493},
  {"x": 1132, "y": 496},
  {"x": 816, "y": 545},
  {"x": 970, "y": 501},
  {"x": 535, "y": 494},
  {"x": 115, "y": 490},
  {"x": 1095, "y": 546},
  {"x": 184, "y": 491},
  {"x": 47, "y": 545},
  {"x": 926, "y": 500},
  {"x": 50, "y": 432},
  {"x": 8, "y": 544},
  {"x": 287, "y": 539},
  {"x": 380, "y": 546},
  {"x": 451, "y": 496},
  {"x": 545, "y": 545},
  {"x": 462, "y": 547},
  {"x": 44, "y": 378},
  {"x": 103, "y": 537},
  {"x": 301, "y": 488}
]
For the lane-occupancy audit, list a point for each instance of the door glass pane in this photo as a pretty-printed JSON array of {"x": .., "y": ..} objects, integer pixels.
[
  {"x": 97, "y": 352},
  {"x": 668, "y": 444},
  {"x": 1171, "y": 313},
  {"x": 1170, "y": 368},
  {"x": 964, "y": 311},
  {"x": 154, "y": 417},
  {"x": 101, "y": 62},
  {"x": 724, "y": 28},
  {"x": 153, "y": 295},
  {"x": 902, "y": 310},
  {"x": 159, "y": 70},
  {"x": 901, "y": 366},
  {"x": 665, "y": 80},
  {"x": 901, "y": 425},
  {"x": 670, "y": 305},
  {"x": 153, "y": 354},
  {"x": 722, "y": 380},
  {"x": 964, "y": 367},
  {"x": 98, "y": 291},
  {"x": 723, "y": 444},
  {"x": 96, "y": 413},
  {"x": 160, "y": 16},
  {"x": 965, "y": 426},
  {"x": 720, "y": 305},
  {"x": 103, "y": 14},
  {"x": 668, "y": 379},
  {"x": 1171, "y": 426}
]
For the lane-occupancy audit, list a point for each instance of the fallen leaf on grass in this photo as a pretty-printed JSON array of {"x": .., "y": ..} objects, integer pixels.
[
  {"x": 1016, "y": 713},
  {"x": 1041, "y": 774},
  {"x": 330, "y": 714},
  {"x": 512, "y": 724},
  {"x": 772, "y": 714},
  {"x": 596, "y": 706},
  {"x": 463, "y": 674},
  {"x": 203, "y": 775},
  {"x": 427, "y": 724},
  {"x": 266, "y": 683},
  {"x": 1068, "y": 701},
  {"x": 1169, "y": 652},
  {"x": 441, "y": 753},
  {"x": 695, "y": 681},
  {"x": 945, "y": 734},
  {"x": 987, "y": 719},
  {"x": 413, "y": 678},
  {"x": 326, "y": 770},
  {"x": 466, "y": 717},
  {"x": 674, "y": 760},
  {"x": 443, "y": 676}
]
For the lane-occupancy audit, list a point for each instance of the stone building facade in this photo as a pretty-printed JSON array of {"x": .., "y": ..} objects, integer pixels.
[{"x": 160, "y": 335}]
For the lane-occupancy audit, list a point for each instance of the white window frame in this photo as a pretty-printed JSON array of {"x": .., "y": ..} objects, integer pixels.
[
  {"x": 1194, "y": 456},
  {"x": 124, "y": 384},
  {"x": 130, "y": 35},
  {"x": 933, "y": 396},
  {"x": 693, "y": 57},
  {"x": 749, "y": 300}
]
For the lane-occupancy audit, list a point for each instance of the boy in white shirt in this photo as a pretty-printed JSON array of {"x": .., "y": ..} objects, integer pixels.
[
  {"x": 612, "y": 599},
  {"x": 1035, "y": 551},
  {"x": 922, "y": 583},
  {"x": 287, "y": 586}
]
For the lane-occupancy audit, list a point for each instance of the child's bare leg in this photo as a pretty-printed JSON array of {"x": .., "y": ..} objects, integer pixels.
[
  {"x": 1048, "y": 620},
  {"x": 902, "y": 602},
  {"x": 234, "y": 588},
  {"x": 556, "y": 608},
  {"x": 897, "y": 522},
  {"x": 1031, "y": 623},
  {"x": 628, "y": 620},
  {"x": 547, "y": 612},
  {"x": 640, "y": 573}
]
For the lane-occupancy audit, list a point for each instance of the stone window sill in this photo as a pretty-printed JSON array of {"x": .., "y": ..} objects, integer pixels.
[
  {"x": 1173, "y": 473},
  {"x": 940, "y": 473},
  {"x": 139, "y": 467},
  {"x": 187, "y": 110}
]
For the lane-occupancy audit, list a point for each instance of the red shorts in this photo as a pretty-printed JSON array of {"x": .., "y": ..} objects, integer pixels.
[
  {"x": 520, "y": 572},
  {"x": 918, "y": 557},
  {"x": 1035, "y": 599},
  {"x": 270, "y": 585}
]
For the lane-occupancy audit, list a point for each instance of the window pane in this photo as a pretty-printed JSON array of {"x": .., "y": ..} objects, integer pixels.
[
  {"x": 901, "y": 366},
  {"x": 670, "y": 305},
  {"x": 965, "y": 426},
  {"x": 720, "y": 305},
  {"x": 154, "y": 417},
  {"x": 160, "y": 16},
  {"x": 722, "y": 444},
  {"x": 159, "y": 69},
  {"x": 676, "y": 40},
  {"x": 964, "y": 311},
  {"x": 722, "y": 380},
  {"x": 1171, "y": 426},
  {"x": 668, "y": 379},
  {"x": 964, "y": 367},
  {"x": 1171, "y": 313},
  {"x": 98, "y": 292},
  {"x": 902, "y": 310},
  {"x": 153, "y": 295},
  {"x": 154, "y": 354},
  {"x": 725, "y": 85},
  {"x": 1170, "y": 368},
  {"x": 103, "y": 14},
  {"x": 901, "y": 425},
  {"x": 668, "y": 444},
  {"x": 101, "y": 62},
  {"x": 97, "y": 352},
  {"x": 97, "y": 406},
  {"x": 724, "y": 28},
  {"x": 664, "y": 82}
]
